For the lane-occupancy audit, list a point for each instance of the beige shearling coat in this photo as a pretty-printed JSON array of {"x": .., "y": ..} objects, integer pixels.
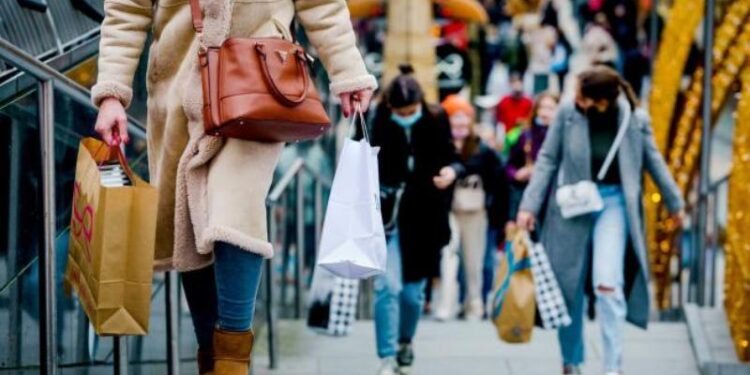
[{"x": 210, "y": 189}]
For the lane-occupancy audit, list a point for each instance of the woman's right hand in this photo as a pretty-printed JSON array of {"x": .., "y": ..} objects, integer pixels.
[
  {"x": 524, "y": 174},
  {"x": 526, "y": 220},
  {"x": 112, "y": 119}
]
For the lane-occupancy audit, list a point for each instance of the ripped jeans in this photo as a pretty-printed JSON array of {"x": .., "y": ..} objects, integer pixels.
[{"x": 609, "y": 243}]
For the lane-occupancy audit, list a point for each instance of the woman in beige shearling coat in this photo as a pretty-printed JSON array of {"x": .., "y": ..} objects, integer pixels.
[{"x": 212, "y": 190}]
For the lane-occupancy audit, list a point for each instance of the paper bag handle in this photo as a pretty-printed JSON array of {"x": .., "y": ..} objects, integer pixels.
[
  {"x": 117, "y": 151},
  {"x": 359, "y": 115}
]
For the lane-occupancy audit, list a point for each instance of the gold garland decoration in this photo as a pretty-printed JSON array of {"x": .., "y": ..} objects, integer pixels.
[
  {"x": 729, "y": 54},
  {"x": 670, "y": 63},
  {"x": 668, "y": 67},
  {"x": 737, "y": 275}
]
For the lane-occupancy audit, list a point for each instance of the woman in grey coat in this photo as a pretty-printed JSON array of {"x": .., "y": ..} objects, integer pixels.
[{"x": 609, "y": 243}]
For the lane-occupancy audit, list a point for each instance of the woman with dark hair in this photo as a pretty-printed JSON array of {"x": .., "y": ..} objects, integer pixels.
[
  {"x": 601, "y": 139},
  {"x": 523, "y": 154},
  {"x": 418, "y": 164}
]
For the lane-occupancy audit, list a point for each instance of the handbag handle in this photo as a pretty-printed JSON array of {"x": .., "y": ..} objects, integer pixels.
[{"x": 284, "y": 99}]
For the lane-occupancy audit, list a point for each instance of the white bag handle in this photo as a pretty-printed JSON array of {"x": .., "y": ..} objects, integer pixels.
[{"x": 358, "y": 114}]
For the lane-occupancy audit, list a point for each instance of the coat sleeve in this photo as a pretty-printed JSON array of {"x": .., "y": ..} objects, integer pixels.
[
  {"x": 516, "y": 159},
  {"x": 328, "y": 26},
  {"x": 546, "y": 166},
  {"x": 656, "y": 166},
  {"x": 498, "y": 188},
  {"x": 123, "y": 34}
]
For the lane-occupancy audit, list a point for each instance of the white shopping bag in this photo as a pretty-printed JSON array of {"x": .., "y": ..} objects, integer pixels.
[{"x": 353, "y": 240}]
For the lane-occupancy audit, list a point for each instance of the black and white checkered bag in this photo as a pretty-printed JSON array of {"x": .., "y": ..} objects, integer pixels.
[
  {"x": 333, "y": 303},
  {"x": 343, "y": 311},
  {"x": 549, "y": 298}
]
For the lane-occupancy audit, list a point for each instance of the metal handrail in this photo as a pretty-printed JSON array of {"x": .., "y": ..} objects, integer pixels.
[
  {"x": 298, "y": 167},
  {"x": 288, "y": 176},
  {"x": 50, "y": 79},
  {"x": 55, "y": 52},
  {"x": 721, "y": 181},
  {"x": 29, "y": 64},
  {"x": 702, "y": 286}
]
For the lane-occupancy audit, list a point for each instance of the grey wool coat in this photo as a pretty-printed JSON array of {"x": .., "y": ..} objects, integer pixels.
[{"x": 567, "y": 151}]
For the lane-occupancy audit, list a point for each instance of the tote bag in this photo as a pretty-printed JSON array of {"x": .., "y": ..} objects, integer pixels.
[
  {"x": 353, "y": 240},
  {"x": 513, "y": 304},
  {"x": 112, "y": 233},
  {"x": 550, "y": 304}
]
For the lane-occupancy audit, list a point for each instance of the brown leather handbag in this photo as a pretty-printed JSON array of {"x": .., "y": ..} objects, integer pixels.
[{"x": 258, "y": 89}]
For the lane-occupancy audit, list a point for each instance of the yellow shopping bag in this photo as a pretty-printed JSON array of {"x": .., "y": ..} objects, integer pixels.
[
  {"x": 513, "y": 306},
  {"x": 111, "y": 252}
]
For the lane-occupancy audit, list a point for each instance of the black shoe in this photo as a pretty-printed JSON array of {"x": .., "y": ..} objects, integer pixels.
[{"x": 405, "y": 358}]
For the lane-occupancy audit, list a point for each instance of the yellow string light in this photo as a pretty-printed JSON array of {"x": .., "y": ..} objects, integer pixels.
[
  {"x": 737, "y": 247},
  {"x": 729, "y": 52}
]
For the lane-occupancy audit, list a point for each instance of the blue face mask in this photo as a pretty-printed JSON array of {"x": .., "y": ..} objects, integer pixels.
[{"x": 409, "y": 121}]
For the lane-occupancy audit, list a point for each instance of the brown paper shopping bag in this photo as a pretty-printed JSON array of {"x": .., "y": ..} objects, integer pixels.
[
  {"x": 514, "y": 302},
  {"x": 112, "y": 233}
]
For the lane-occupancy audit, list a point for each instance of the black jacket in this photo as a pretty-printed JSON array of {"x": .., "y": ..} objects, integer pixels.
[
  {"x": 486, "y": 163},
  {"x": 423, "y": 213}
]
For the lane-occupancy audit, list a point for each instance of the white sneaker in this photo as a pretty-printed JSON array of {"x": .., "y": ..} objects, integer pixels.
[
  {"x": 614, "y": 373},
  {"x": 388, "y": 366},
  {"x": 474, "y": 311}
]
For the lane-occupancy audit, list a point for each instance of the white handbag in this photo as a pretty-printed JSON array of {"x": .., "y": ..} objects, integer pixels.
[
  {"x": 469, "y": 195},
  {"x": 583, "y": 197}
]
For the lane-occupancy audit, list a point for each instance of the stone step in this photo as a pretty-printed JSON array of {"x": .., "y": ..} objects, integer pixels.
[{"x": 466, "y": 348}]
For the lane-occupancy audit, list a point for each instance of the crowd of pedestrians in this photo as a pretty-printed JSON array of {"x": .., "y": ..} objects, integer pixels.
[
  {"x": 567, "y": 115},
  {"x": 452, "y": 185},
  {"x": 460, "y": 198}
]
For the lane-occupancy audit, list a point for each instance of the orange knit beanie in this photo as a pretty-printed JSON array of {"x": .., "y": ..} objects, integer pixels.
[{"x": 453, "y": 104}]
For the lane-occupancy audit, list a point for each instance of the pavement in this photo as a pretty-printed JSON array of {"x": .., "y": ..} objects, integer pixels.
[{"x": 473, "y": 349}]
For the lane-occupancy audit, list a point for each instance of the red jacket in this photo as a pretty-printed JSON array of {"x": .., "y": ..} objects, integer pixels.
[{"x": 513, "y": 110}]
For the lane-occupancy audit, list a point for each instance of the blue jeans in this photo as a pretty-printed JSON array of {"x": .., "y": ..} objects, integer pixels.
[
  {"x": 224, "y": 293},
  {"x": 609, "y": 243},
  {"x": 398, "y": 305},
  {"x": 488, "y": 265}
]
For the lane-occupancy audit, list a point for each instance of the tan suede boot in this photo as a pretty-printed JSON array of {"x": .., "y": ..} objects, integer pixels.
[
  {"x": 232, "y": 352},
  {"x": 205, "y": 362}
]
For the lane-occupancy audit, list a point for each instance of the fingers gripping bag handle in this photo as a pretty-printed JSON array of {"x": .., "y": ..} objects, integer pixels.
[
  {"x": 114, "y": 152},
  {"x": 359, "y": 115}
]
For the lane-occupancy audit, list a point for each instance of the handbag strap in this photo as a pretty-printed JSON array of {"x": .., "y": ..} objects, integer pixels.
[
  {"x": 617, "y": 142},
  {"x": 612, "y": 150},
  {"x": 197, "y": 15}
]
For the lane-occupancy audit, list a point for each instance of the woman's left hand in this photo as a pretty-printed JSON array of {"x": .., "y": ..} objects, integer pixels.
[
  {"x": 349, "y": 101},
  {"x": 678, "y": 218},
  {"x": 445, "y": 179}
]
